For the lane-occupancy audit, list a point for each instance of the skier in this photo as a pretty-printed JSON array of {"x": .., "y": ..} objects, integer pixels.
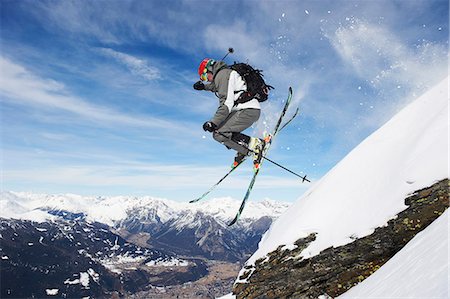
[{"x": 231, "y": 118}]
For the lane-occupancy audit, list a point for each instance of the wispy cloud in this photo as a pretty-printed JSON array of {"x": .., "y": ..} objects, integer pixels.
[
  {"x": 88, "y": 19},
  {"x": 24, "y": 87},
  {"x": 121, "y": 22},
  {"x": 221, "y": 37},
  {"x": 136, "y": 65},
  {"x": 100, "y": 173}
]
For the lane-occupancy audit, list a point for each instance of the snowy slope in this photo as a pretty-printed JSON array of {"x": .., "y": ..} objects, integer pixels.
[
  {"x": 13, "y": 207},
  {"x": 368, "y": 187},
  {"x": 419, "y": 270}
]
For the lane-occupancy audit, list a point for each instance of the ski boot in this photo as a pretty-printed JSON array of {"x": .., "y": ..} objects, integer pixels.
[
  {"x": 238, "y": 159},
  {"x": 257, "y": 147}
]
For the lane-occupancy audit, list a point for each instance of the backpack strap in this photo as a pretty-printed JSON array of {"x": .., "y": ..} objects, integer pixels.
[{"x": 223, "y": 67}]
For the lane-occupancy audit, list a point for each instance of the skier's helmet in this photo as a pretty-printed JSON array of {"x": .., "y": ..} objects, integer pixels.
[{"x": 203, "y": 68}]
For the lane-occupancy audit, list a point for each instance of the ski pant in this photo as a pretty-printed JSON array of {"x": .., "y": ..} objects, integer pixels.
[{"x": 229, "y": 131}]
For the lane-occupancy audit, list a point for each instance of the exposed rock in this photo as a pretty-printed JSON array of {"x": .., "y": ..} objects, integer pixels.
[{"x": 335, "y": 270}]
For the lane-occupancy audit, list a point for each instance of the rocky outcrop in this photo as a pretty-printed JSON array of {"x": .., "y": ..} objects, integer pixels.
[{"x": 335, "y": 270}]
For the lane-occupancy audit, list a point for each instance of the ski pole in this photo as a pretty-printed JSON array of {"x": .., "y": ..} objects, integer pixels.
[
  {"x": 265, "y": 158},
  {"x": 288, "y": 170}
]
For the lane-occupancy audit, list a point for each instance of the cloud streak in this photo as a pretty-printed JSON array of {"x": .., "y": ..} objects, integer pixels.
[
  {"x": 23, "y": 87},
  {"x": 129, "y": 176},
  {"x": 137, "y": 66}
]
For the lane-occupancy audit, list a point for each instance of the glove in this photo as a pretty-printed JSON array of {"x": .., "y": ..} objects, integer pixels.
[
  {"x": 199, "y": 85},
  {"x": 209, "y": 126}
]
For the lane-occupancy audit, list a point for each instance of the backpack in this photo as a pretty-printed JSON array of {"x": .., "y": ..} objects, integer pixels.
[{"x": 256, "y": 87}]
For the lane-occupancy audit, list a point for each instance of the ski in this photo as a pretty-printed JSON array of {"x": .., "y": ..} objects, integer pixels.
[
  {"x": 264, "y": 151},
  {"x": 293, "y": 116},
  {"x": 216, "y": 184}
]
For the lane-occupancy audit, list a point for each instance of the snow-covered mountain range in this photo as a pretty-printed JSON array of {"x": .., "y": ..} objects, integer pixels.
[
  {"x": 182, "y": 228},
  {"x": 105, "y": 246},
  {"x": 363, "y": 194},
  {"x": 113, "y": 210}
]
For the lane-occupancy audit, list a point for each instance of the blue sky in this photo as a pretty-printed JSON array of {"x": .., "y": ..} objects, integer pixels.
[{"x": 97, "y": 98}]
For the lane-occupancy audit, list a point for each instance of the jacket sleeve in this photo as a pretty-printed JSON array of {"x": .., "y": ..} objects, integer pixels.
[
  {"x": 226, "y": 99},
  {"x": 210, "y": 87}
]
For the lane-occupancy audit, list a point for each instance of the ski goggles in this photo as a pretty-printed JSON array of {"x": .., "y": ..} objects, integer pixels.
[
  {"x": 203, "y": 69},
  {"x": 204, "y": 75}
]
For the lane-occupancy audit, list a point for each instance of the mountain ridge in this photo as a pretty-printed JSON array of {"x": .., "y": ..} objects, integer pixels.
[
  {"x": 110, "y": 210},
  {"x": 198, "y": 229}
]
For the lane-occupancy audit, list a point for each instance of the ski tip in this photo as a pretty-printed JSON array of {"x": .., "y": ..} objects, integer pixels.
[
  {"x": 290, "y": 89},
  {"x": 234, "y": 220}
]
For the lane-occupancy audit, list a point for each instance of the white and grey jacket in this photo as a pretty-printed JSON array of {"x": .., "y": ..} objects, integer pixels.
[{"x": 224, "y": 84}]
